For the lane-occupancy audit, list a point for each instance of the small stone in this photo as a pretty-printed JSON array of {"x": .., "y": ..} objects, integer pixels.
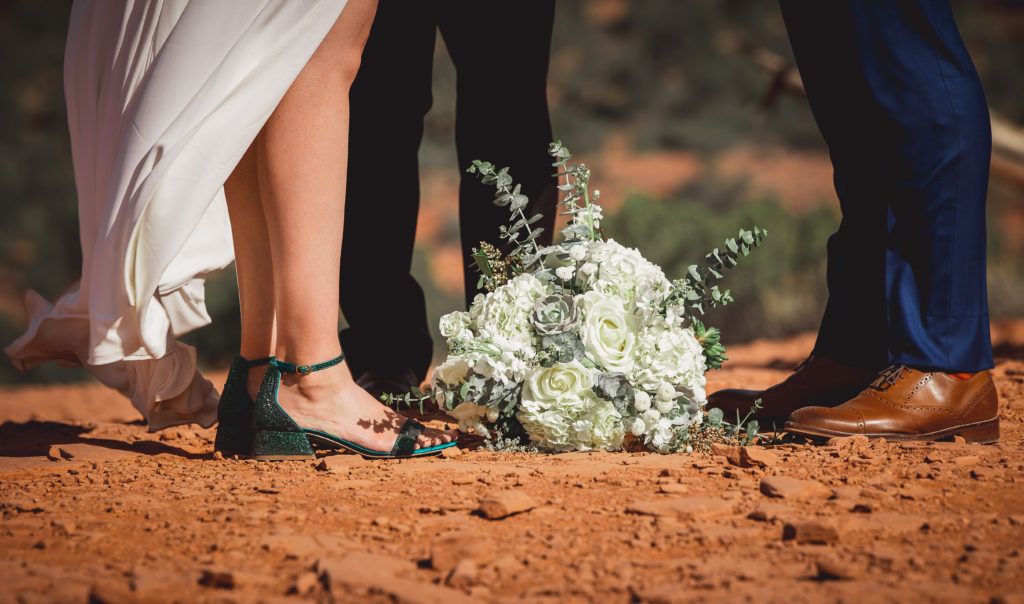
[
  {"x": 915, "y": 493},
  {"x": 1017, "y": 519},
  {"x": 731, "y": 453},
  {"x": 819, "y": 532},
  {"x": 984, "y": 473},
  {"x": 383, "y": 575},
  {"x": 891, "y": 522},
  {"x": 110, "y": 592},
  {"x": 757, "y": 457},
  {"x": 842, "y": 442},
  {"x": 382, "y": 521},
  {"x": 218, "y": 455},
  {"x": 340, "y": 463},
  {"x": 966, "y": 460},
  {"x": 358, "y": 565},
  {"x": 452, "y": 452},
  {"x": 831, "y": 569},
  {"x": 54, "y": 453},
  {"x": 787, "y": 487},
  {"x": 769, "y": 512},
  {"x": 501, "y": 504},
  {"x": 448, "y": 550},
  {"x": 846, "y": 492},
  {"x": 673, "y": 488},
  {"x": 684, "y": 508},
  {"x": 507, "y": 565},
  {"x": 960, "y": 440},
  {"x": 463, "y": 575},
  {"x": 217, "y": 579},
  {"x": 305, "y": 583}
]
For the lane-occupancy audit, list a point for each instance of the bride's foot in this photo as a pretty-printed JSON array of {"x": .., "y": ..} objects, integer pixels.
[{"x": 330, "y": 401}]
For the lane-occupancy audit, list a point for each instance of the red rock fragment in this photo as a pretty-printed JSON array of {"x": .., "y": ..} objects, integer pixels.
[
  {"x": 501, "y": 504},
  {"x": 684, "y": 508},
  {"x": 787, "y": 487}
]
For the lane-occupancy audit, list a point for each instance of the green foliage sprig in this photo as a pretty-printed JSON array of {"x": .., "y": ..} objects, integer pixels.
[
  {"x": 698, "y": 287},
  {"x": 519, "y": 236},
  {"x": 577, "y": 188}
]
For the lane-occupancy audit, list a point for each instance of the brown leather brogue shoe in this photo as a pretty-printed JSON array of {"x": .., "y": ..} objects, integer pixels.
[
  {"x": 906, "y": 404},
  {"x": 816, "y": 381}
]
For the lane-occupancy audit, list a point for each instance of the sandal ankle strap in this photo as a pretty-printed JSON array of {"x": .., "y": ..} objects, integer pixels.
[
  {"x": 285, "y": 367},
  {"x": 256, "y": 362}
]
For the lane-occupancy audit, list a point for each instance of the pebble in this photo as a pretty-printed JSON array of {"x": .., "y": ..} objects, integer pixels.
[
  {"x": 500, "y": 504},
  {"x": 448, "y": 550},
  {"x": 832, "y": 569},
  {"x": 463, "y": 575},
  {"x": 684, "y": 508},
  {"x": 787, "y": 487},
  {"x": 731, "y": 453},
  {"x": 673, "y": 488},
  {"x": 966, "y": 460},
  {"x": 757, "y": 457},
  {"x": 769, "y": 512},
  {"x": 305, "y": 583},
  {"x": 818, "y": 532}
]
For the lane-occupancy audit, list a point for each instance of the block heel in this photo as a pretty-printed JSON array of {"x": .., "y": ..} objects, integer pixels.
[
  {"x": 270, "y": 445},
  {"x": 234, "y": 410}
]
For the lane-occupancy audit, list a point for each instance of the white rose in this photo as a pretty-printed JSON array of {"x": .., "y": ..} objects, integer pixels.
[
  {"x": 558, "y": 382},
  {"x": 565, "y": 273},
  {"x": 456, "y": 324},
  {"x": 588, "y": 268},
  {"x": 453, "y": 370},
  {"x": 637, "y": 427},
  {"x": 560, "y": 412},
  {"x": 642, "y": 401},
  {"x": 609, "y": 332}
]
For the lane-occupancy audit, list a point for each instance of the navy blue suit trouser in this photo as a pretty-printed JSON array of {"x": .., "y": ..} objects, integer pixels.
[{"x": 901, "y": 108}]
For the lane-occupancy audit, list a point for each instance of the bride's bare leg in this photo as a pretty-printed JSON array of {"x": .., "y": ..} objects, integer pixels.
[
  {"x": 301, "y": 159},
  {"x": 252, "y": 263}
]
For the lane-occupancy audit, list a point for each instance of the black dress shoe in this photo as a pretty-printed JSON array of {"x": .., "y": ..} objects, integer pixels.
[{"x": 816, "y": 381}]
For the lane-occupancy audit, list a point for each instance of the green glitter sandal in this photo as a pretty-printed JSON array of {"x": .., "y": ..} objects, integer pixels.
[
  {"x": 234, "y": 411},
  {"x": 276, "y": 436}
]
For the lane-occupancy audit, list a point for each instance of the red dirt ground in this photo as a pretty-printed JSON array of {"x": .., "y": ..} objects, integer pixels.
[{"x": 132, "y": 516}]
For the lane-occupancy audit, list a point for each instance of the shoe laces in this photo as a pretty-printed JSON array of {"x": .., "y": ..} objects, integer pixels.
[{"x": 888, "y": 377}]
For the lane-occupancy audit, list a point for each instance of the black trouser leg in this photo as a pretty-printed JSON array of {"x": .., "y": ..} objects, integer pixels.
[
  {"x": 380, "y": 300},
  {"x": 501, "y": 52}
]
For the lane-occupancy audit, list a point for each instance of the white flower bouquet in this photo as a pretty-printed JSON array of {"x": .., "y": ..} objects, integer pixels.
[{"x": 584, "y": 344}]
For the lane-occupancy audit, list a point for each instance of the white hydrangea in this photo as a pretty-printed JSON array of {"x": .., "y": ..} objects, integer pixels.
[
  {"x": 669, "y": 357},
  {"x": 503, "y": 315},
  {"x": 626, "y": 273}
]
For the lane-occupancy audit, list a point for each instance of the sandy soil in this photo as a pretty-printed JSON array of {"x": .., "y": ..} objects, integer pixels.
[{"x": 122, "y": 515}]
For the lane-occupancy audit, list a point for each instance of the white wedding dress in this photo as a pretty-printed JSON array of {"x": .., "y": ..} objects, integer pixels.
[{"x": 164, "y": 97}]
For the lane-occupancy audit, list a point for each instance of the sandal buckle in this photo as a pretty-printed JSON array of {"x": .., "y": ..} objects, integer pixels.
[{"x": 303, "y": 369}]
